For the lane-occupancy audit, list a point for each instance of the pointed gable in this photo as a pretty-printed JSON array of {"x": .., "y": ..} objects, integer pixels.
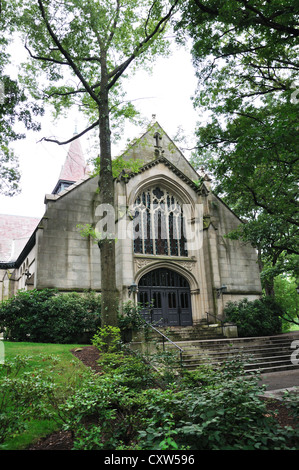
[{"x": 155, "y": 143}]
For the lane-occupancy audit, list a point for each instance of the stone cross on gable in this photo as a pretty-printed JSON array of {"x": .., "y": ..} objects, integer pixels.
[{"x": 157, "y": 137}]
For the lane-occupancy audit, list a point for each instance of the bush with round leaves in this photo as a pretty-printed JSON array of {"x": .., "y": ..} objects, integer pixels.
[
  {"x": 47, "y": 316},
  {"x": 260, "y": 317}
]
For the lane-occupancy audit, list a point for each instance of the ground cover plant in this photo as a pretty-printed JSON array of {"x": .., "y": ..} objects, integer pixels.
[
  {"x": 34, "y": 379},
  {"x": 126, "y": 404},
  {"x": 130, "y": 406}
]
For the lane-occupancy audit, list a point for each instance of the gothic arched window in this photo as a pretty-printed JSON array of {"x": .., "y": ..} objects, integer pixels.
[{"x": 159, "y": 224}]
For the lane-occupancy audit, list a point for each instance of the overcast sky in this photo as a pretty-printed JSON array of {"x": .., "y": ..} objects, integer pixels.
[{"x": 166, "y": 93}]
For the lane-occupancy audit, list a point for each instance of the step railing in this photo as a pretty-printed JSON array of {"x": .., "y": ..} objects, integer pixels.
[
  {"x": 164, "y": 337},
  {"x": 217, "y": 319}
]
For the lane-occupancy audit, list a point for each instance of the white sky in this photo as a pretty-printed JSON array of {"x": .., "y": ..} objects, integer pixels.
[{"x": 168, "y": 92}]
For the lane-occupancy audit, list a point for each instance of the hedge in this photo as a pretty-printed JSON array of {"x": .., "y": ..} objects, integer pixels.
[{"x": 47, "y": 316}]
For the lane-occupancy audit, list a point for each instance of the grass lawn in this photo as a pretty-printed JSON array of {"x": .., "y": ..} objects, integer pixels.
[
  {"x": 67, "y": 372},
  {"x": 294, "y": 328}
]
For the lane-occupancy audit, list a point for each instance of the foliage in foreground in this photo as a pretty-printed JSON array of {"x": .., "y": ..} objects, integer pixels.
[
  {"x": 133, "y": 406},
  {"x": 130, "y": 407},
  {"x": 31, "y": 390},
  {"x": 21, "y": 397}
]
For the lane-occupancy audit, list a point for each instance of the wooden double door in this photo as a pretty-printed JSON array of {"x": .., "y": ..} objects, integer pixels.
[{"x": 164, "y": 296}]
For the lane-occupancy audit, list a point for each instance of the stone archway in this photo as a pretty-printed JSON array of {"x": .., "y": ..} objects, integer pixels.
[{"x": 165, "y": 298}]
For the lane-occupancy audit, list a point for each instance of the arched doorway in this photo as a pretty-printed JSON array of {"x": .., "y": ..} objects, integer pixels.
[{"x": 164, "y": 296}]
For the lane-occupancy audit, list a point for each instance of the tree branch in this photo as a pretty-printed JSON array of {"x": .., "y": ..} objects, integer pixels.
[
  {"x": 118, "y": 71},
  {"x": 46, "y": 59},
  {"x": 95, "y": 124},
  {"x": 264, "y": 21},
  {"x": 287, "y": 318},
  {"x": 259, "y": 19},
  {"x": 66, "y": 93},
  {"x": 67, "y": 55},
  {"x": 204, "y": 8},
  {"x": 267, "y": 209},
  {"x": 148, "y": 17},
  {"x": 114, "y": 23}
]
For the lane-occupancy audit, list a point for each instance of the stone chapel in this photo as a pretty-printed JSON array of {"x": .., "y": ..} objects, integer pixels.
[{"x": 177, "y": 279}]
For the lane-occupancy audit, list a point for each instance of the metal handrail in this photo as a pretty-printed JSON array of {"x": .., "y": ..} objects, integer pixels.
[
  {"x": 164, "y": 337},
  {"x": 216, "y": 318}
]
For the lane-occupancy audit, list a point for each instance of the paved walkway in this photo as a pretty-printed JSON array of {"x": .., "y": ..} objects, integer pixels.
[{"x": 278, "y": 383}]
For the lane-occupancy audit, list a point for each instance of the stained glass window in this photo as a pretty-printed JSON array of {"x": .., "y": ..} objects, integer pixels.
[{"x": 159, "y": 224}]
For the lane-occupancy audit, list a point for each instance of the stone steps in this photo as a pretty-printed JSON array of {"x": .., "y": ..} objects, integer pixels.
[
  {"x": 266, "y": 354},
  {"x": 189, "y": 333}
]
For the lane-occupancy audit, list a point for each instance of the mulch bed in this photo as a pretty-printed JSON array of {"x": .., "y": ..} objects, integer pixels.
[{"x": 89, "y": 355}]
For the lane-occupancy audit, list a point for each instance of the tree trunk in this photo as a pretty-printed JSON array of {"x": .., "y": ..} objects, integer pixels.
[
  {"x": 106, "y": 184},
  {"x": 268, "y": 283},
  {"x": 269, "y": 288}
]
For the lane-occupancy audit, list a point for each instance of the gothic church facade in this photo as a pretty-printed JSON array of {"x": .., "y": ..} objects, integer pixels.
[{"x": 172, "y": 254}]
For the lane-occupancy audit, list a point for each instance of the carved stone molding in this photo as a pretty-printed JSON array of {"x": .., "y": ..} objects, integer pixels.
[
  {"x": 140, "y": 263},
  {"x": 187, "y": 265}
]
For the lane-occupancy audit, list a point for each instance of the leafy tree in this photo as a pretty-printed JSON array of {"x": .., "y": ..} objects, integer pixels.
[
  {"x": 286, "y": 294},
  {"x": 14, "y": 107},
  {"x": 247, "y": 63},
  {"x": 83, "y": 48}
]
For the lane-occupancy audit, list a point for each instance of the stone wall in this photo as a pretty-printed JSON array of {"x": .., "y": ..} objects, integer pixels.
[
  {"x": 65, "y": 259},
  {"x": 234, "y": 263},
  {"x": 144, "y": 149}
]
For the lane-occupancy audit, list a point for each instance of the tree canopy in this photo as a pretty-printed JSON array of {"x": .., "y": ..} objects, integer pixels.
[
  {"x": 74, "y": 45},
  {"x": 246, "y": 58},
  {"x": 15, "y": 108}
]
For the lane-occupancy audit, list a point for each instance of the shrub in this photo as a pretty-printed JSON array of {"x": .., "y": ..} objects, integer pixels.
[
  {"x": 107, "y": 339},
  {"x": 227, "y": 413},
  {"x": 47, "y": 316},
  {"x": 260, "y": 317},
  {"x": 131, "y": 317}
]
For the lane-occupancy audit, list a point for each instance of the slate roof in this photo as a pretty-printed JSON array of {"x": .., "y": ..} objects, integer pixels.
[
  {"x": 15, "y": 231},
  {"x": 74, "y": 167}
]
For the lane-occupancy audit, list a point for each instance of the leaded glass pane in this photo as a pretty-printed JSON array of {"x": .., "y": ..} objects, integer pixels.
[{"x": 159, "y": 228}]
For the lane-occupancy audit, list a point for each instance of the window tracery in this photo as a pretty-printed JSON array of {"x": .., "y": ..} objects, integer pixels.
[{"x": 159, "y": 224}]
